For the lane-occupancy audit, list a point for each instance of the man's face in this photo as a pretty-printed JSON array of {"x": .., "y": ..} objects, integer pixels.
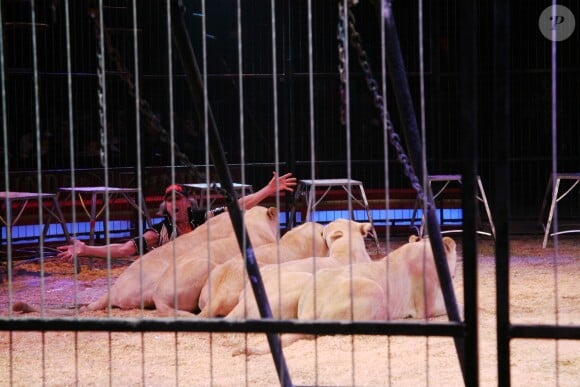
[{"x": 177, "y": 212}]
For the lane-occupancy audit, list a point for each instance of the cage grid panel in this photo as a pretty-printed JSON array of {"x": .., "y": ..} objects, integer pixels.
[{"x": 165, "y": 351}]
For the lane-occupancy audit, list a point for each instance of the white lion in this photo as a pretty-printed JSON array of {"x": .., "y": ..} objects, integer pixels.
[
  {"x": 214, "y": 241},
  {"x": 284, "y": 283},
  {"x": 225, "y": 282},
  {"x": 404, "y": 284}
]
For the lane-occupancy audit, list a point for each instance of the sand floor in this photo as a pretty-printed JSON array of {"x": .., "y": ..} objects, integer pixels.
[{"x": 203, "y": 359}]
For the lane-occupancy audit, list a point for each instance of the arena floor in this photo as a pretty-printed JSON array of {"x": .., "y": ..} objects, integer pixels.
[{"x": 167, "y": 359}]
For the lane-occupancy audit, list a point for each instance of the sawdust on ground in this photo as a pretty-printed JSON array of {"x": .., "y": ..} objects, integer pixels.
[{"x": 199, "y": 359}]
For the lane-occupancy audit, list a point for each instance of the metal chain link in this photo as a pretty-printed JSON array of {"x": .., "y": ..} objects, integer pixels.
[
  {"x": 342, "y": 64},
  {"x": 101, "y": 97},
  {"x": 144, "y": 106},
  {"x": 372, "y": 85}
]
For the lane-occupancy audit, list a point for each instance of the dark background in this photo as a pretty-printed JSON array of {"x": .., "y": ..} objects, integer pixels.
[{"x": 37, "y": 119}]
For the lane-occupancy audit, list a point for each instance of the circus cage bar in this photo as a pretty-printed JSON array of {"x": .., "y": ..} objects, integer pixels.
[
  {"x": 466, "y": 126},
  {"x": 529, "y": 70}
]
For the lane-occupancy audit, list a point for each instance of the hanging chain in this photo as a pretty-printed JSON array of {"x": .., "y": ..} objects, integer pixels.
[
  {"x": 342, "y": 63},
  {"x": 101, "y": 96},
  {"x": 372, "y": 85},
  {"x": 144, "y": 106}
]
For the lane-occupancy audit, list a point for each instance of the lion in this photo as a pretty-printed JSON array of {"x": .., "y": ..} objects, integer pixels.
[
  {"x": 177, "y": 290},
  {"x": 284, "y": 282},
  {"x": 403, "y": 284},
  {"x": 225, "y": 282},
  {"x": 408, "y": 276},
  {"x": 136, "y": 285}
]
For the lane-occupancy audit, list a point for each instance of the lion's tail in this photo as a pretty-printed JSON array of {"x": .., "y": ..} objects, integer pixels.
[{"x": 23, "y": 307}]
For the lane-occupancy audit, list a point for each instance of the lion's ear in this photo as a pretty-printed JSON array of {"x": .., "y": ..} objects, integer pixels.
[
  {"x": 414, "y": 238},
  {"x": 333, "y": 236},
  {"x": 449, "y": 244},
  {"x": 272, "y": 212},
  {"x": 365, "y": 229}
]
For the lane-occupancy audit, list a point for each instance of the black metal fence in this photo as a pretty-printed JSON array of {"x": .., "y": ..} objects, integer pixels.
[
  {"x": 530, "y": 69},
  {"x": 38, "y": 80}
]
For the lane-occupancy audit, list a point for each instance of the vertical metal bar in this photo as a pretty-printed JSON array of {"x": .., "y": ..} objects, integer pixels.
[
  {"x": 402, "y": 92},
  {"x": 290, "y": 154},
  {"x": 553, "y": 204},
  {"x": 501, "y": 93},
  {"x": 103, "y": 125},
  {"x": 469, "y": 129},
  {"x": 435, "y": 84},
  {"x": 412, "y": 135},
  {"x": 483, "y": 199},
  {"x": 189, "y": 62},
  {"x": 311, "y": 122},
  {"x": 6, "y": 178},
  {"x": 275, "y": 83},
  {"x": 138, "y": 142},
  {"x": 311, "y": 202}
]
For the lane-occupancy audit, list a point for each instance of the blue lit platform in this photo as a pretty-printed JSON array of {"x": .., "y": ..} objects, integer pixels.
[
  {"x": 26, "y": 235},
  {"x": 123, "y": 228},
  {"x": 392, "y": 217}
]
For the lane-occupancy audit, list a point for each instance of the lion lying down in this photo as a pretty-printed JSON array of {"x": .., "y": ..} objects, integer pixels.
[
  {"x": 220, "y": 293},
  {"x": 403, "y": 284},
  {"x": 128, "y": 291},
  {"x": 192, "y": 273},
  {"x": 214, "y": 241},
  {"x": 284, "y": 283}
]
